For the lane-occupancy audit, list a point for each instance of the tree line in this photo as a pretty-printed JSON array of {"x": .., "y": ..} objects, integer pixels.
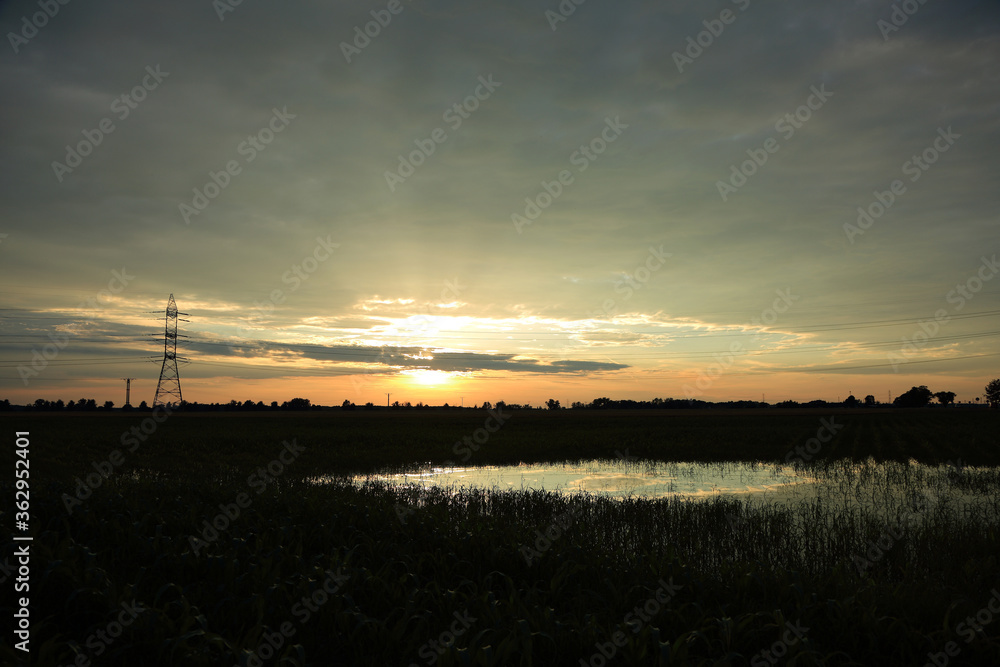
[{"x": 915, "y": 397}]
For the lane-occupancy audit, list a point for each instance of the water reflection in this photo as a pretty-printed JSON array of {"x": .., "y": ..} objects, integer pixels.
[{"x": 616, "y": 478}]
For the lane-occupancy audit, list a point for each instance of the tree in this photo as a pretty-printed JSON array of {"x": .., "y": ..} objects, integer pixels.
[
  {"x": 945, "y": 397},
  {"x": 108, "y": 405},
  {"x": 993, "y": 393},
  {"x": 916, "y": 397},
  {"x": 869, "y": 400},
  {"x": 552, "y": 404},
  {"x": 851, "y": 401},
  {"x": 143, "y": 406},
  {"x": 346, "y": 405}
]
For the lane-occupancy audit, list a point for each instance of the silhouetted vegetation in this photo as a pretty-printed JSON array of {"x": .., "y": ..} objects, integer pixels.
[
  {"x": 915, "y": 397},
  {"x": 993, "y": 393},
  {"x": 406, "y": 557}
]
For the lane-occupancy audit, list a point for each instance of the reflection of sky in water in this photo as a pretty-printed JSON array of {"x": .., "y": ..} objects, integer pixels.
[{"x": 615, "y": 478}]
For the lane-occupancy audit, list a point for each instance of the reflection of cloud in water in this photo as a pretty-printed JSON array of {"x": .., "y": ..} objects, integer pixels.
[{"x": 617, "y": 479}]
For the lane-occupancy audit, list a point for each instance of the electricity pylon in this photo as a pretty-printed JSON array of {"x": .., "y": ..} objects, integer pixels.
[
  {"x": 128, "y": 391},
  {"x": 169, "y": 386}
]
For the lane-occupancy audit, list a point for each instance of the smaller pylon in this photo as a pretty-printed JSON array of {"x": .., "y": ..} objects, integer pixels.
[{"x": 128, "y": 390}]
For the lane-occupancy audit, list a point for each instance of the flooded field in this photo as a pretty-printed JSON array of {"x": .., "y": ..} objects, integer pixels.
[{"x": 613, "y": 478}]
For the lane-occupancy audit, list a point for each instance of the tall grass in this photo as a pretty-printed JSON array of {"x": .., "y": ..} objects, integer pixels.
[{"x": 745, "y": 569}]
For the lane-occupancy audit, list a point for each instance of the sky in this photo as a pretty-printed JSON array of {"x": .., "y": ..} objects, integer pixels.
[{"x": 465, "y": 202}]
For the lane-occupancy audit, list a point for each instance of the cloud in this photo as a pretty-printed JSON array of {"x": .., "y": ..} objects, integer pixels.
[{"x": 450, "y": 222}]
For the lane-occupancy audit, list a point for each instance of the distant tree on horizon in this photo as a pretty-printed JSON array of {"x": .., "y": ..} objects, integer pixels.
[
  {"x": 552, "y": 404},
  {"x": 916, "y": 397},
  {"x": 945, "y": 397},
  {"x": 993, "y": 393}
]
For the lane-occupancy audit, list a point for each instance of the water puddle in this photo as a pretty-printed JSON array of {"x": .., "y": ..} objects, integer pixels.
[{"x": 617, "y": 479}]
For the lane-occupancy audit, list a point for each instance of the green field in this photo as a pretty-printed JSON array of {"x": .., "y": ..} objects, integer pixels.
[{"x": 484, "y": 577}]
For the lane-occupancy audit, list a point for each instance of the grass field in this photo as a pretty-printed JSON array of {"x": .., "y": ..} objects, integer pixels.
[
  {"x": 293, "y": 573},
  {"x": 65, "y": 445}
]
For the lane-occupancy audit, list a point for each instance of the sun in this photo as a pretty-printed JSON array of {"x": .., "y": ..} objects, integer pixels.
[{"x": 428, "y": 378}]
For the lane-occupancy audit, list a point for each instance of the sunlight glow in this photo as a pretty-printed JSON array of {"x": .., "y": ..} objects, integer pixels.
[{"x": 428, "y": 378}]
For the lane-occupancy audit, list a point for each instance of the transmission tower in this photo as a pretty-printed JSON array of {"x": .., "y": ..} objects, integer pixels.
[
  {"x": 128, "y": 391},
  {"x": 169, "y": 386}
]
